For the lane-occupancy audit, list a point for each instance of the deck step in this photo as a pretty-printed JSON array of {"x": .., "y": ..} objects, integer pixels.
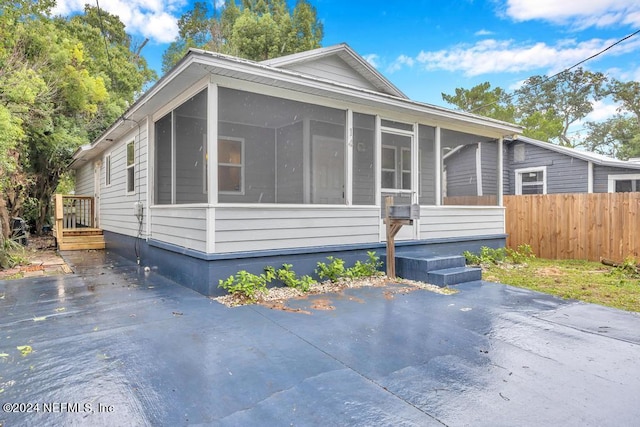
[
  {"x": 81, "y": 239},
  {"x": 437, "y": 270},
  {"x": 454, "y": 276}
]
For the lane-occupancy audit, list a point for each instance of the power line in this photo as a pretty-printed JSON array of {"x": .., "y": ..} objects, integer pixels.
[
  {"x": 106, "y": 44},
  {"x": 566, "y": 69}
]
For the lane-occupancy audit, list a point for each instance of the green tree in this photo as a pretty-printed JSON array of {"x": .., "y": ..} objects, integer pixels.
[
  {"x": 60, "y": 88},
  {"x": 253, "y": 29},
  {"x": 567, "y": 97},
  {"x": 484, "y": 101},
  {"x": 618, "y": 136}
]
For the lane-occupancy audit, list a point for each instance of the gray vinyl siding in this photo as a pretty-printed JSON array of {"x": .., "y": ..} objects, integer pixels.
[
  {"x": 565, "y": 174},
  {"x": 489, "y": 159},
  {"x": 251, "y": 228},
  {"x": 259, "y": 167},
  {"x": 461, "y": 172},
  {"x": 116, "y": 205},
  {"x": 601, "y": 176},
  {"x": 84, "y": 180},
  {"x": 183, "y": 226},
  {"x": 460, "y": 221},
  {"x": 333, "y": 68}
]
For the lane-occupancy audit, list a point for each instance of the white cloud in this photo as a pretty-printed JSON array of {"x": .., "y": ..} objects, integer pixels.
[
  {"x": 497, "y": 56},
  {"x": 483, "y": 32},
  {"x": 155, "y": 19},
  {"x": 401, "y": 61},
  {"x": 601, "y": 111},
  {"x": 580, "y": 14},
  {"x": 372, "y": 59}
]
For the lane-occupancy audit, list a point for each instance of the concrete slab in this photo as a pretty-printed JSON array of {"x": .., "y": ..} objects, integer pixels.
[{"x": 113, "y": 345}]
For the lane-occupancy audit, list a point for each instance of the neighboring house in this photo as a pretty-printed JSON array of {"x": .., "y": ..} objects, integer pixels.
[
  {"x": 538, "y": 167},
  {"x": 532, "y": 167},
  {"x": 228, "y": 164}
]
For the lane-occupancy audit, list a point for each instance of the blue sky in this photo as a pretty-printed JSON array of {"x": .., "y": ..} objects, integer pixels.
[{"x": 434, "y": 46}]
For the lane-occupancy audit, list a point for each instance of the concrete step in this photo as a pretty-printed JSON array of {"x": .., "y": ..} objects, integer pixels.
[
  {"x": 454, "y": 276},
  {"x": 429, "y": 263}
]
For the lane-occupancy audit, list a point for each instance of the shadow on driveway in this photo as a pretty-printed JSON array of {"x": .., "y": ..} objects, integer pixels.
[{"x": 113, "y": 345}]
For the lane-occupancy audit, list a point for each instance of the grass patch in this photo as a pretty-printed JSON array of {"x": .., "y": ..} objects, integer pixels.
[{"x": 582, "y": 280}]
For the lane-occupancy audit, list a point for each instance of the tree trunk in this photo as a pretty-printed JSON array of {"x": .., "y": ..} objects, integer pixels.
[{"x": 4, "y": 219}]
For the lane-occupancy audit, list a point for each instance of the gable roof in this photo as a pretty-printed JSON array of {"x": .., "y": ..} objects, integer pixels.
[
  {"x": 587, "y": 156},
  {"x": 358, "y": 65}
]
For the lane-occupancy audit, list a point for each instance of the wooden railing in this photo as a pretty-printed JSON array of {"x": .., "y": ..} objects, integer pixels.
[{"x": 73, "y": 212}]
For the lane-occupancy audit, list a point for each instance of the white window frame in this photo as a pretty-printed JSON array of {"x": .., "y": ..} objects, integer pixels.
[
  {"x": 520, "y": 172},
  {"x": 395, "y": 167},
  {"x": 622, "y": 177},
  {"x": 107, "y": 170},
  {"x": 130, "y": 166},
  {"x": 241, "y": 165}
]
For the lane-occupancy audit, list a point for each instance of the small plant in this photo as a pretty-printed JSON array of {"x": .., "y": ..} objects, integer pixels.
[
  {"x": 520, "y": 255},
  {"x": 247, "y": 284},
  {"x": 287, "y": 276},
  {"x": 367, "y": 268},
  {"x": 629, "y": 269},
  {"x": 333, "y": 270},
  {"x": 12, "y": 253}
]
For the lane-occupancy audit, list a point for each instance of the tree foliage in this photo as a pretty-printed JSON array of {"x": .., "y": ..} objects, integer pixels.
[
  {"x": 59, "y": 89},
  {"x": 254, "y": 29},
  {"x": 547, "y": 107}
]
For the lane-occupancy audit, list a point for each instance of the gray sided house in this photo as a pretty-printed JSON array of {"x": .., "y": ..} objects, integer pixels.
[
  {"x": 532, "y": 167},
  {"x": 228, "y": 164}
]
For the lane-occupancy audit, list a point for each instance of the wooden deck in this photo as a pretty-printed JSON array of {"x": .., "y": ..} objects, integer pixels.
[{"x": 75, "y": 224}]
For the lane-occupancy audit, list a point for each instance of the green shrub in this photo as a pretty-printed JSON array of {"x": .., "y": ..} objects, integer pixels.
[
  {"x": 287, "y": 276},
  {"x": 489, "y": 255},
  {"x": 246, "y": 284},
  {"x": 368, "y": 268},
  {"x": 12, "y": 253},
  {"x": 333, "y": 270}
]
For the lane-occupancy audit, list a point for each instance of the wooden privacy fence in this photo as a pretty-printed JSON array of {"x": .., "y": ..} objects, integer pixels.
[{"x": 575, "y": 226}]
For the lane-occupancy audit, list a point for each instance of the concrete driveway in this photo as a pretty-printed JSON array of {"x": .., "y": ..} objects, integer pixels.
[{"x": 113, "y": 345}]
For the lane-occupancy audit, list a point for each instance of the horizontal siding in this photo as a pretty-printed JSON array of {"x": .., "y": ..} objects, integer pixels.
[
  {"x": 181, "y": 226},
  {"x": 460, "y": 221},
  {"x": 248, "y": 229},
  {"x": 84, "y": 180},
  {"x": 116, "y": 206},
  {"x": 333, "y": 68},
  {"x": 601, "y": 176}
]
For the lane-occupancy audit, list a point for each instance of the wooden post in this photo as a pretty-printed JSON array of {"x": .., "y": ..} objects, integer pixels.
[{"x": 391, "y": 243}]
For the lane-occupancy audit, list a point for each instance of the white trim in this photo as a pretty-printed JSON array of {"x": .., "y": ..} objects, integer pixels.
[
  {"x": 622, "y": 177},
  {"x": 234, "y": 165},
  {"x": 590, "y": 177},
  {"x": 107, "y": 169},
  {"x": 518, "y": 174},
  {"x": 210, "y": 229},
  {"x": 212, "y": 142},
  {"x": 128, "y": 166},
  {"x": 500, "y": 188},
  {"x": 437, "y": 149},
  {"x": 479, "y": 169},
  {"x": 306, "y": 160},
  {"x": 377, "y": 134},
  {"x": 348, "y": 160}
]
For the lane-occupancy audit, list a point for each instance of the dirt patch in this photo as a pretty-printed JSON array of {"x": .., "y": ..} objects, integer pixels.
[
  {"x": 550, "y": 272},
  {"x": 322, "y": 304}
]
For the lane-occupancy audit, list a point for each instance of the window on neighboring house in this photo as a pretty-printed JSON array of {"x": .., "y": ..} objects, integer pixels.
[
  {"x": 107, "y": 170},
  {"x": 230, "y": 165},
  {"x": 388, "y": 167},
  {"x": 131, "y": 160},
  {"x": 624, "y": 183},
  {"x": 531, "y": 181}
]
